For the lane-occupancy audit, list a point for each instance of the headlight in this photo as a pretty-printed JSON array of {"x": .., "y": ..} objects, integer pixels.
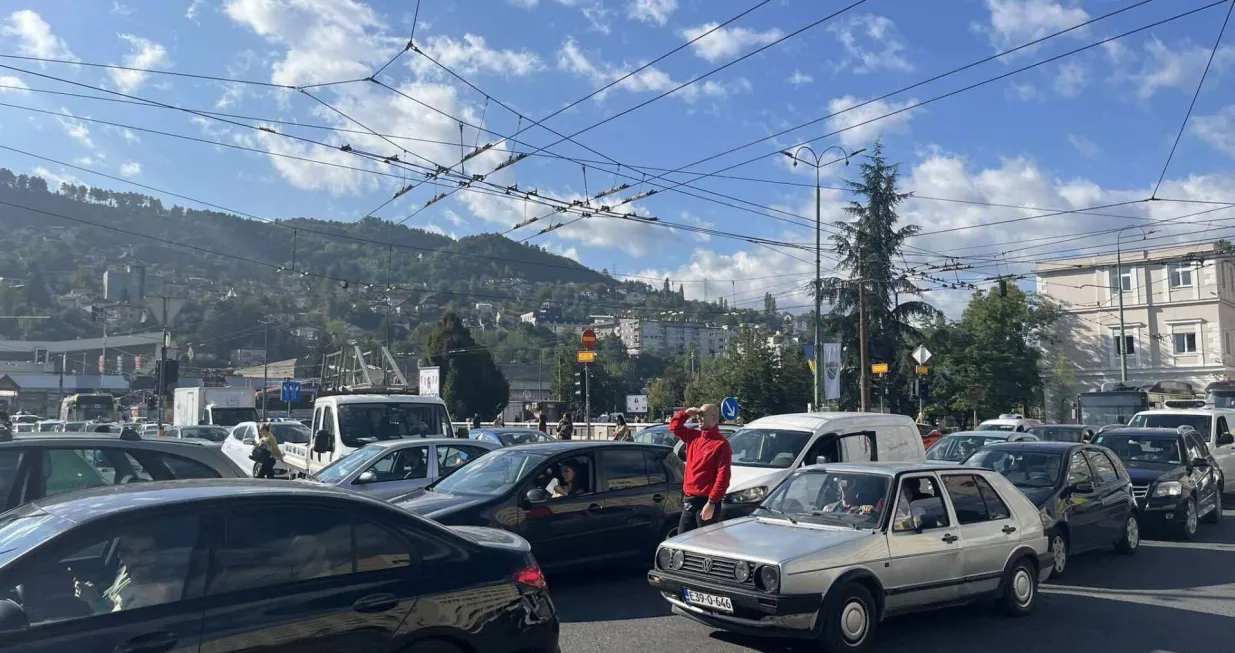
[
  {"x": 1169, "y": 489},
  {"x": 741, "y": 572},
  {"x": 662, "y": 558},
  {"x": 676, "y": 559},
  {"x": 749, "y": 495},
  {"x": 769, "y": 578}
]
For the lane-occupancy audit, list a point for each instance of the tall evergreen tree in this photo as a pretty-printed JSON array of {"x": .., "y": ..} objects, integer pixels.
[{"x": 471, "y": 382}]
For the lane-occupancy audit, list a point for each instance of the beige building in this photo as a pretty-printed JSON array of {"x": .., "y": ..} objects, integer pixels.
[
  {"x": 657, "y": 337},
  {"x": 1179, "y": 314}
]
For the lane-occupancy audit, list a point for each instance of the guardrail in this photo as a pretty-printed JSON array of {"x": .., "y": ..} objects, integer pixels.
[{"x": 600, "y": 430}]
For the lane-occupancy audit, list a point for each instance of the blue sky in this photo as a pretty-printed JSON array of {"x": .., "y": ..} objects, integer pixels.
[{"x": 1090, "y": 129}]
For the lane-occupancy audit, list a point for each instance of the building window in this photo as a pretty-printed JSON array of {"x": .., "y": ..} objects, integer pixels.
[
  {"x": 1129, "y": 346},
  {"x": 1121, "y": 281},
  {"x": 1181, "y": 275},
  {"x": 1185, "y": 343}
]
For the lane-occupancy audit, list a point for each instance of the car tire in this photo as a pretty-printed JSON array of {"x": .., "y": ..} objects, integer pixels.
[
  {"x": 1058, "y": 542},
  {"x": 849, "y": 620},
  {"x": 1131, "y": 539},
  {"x": 1215, "y": 516},
  {"x": 1187, "y": 524},
  {"x": 1020, "y": 588},
  {"x": 433, "y": 646}
]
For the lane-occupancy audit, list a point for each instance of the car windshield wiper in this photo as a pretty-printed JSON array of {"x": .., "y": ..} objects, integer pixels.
[
  {"x": 834, "y": 517},
  {"x": 778, "y": 512}
]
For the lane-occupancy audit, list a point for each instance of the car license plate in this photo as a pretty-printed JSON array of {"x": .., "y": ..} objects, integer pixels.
[{"x": 721, "y": 603}]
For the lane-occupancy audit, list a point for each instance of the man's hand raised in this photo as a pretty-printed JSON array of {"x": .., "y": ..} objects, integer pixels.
[{"x": 691, "y": 412}]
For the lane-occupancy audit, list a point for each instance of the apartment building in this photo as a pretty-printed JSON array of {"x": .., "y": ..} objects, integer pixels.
[
  {"x": 1179, "y": 314},
  {"x": 657, "y": 337}
]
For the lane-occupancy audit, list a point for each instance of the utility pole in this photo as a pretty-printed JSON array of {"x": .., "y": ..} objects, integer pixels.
[
  {"x": 162, "y": 386},
  {"x": 587, "y": 398},
  {"x": 816, "y": 161},
  {"x": 1122, "y": 346},
  {"x": 863, "y": 365},
  {"x": 265, "y": 363}
]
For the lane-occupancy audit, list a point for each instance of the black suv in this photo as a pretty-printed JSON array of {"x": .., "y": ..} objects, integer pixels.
[
  {"x": 41, "y": 465},
  {"x": 1174, "y": 477}
]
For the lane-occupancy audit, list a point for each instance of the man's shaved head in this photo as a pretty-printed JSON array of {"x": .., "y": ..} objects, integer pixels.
[{"x": 709, "y": 416}]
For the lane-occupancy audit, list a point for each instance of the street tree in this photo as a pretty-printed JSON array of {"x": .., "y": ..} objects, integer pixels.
[
  {"x": 471, "y": 383},
  {"x": 764, "y": 381}
]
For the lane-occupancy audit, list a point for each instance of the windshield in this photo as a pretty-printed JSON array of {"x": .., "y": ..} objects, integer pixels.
[
  {"x": 493, "y": 473},
  {"x": 1023, "y": 468},
  {"x": 767, "y": 447},
  {"x": 1110, "y": 407},
  {"x": 232, "y": 416},
  {"x": 70, "y": 427},
  {"x": 343, "y": 467},
  {"x": 1222, "y": 398},
  {"x": 1173, "y": 421},
  {"x": 656, "y": 435},
  {"x": 1056, "y": 433},
  {"x": 521, "y": 436},
  {"x": 956, "y": 448},
  {"x": 290, "y": 432},
  {"x": 1159, "y": 449},
  {"x": 996, "y": 427},
  {"x": 362, "y": 424},
  {"x": 850, "y": 499},
  {"x": 48, "y": 427},
  {"x": 212, "y": 433}
]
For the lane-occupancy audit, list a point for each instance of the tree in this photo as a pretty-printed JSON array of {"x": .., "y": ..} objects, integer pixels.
[
  {"x": 666, "y": 393},
  {"x": 769, "y": 304},
  {"x": 1060, "y": 389},
  {"x": 471, "y": 383},
  {"x": 868, "y": 247},
  {"x": 762, "y": 382}
]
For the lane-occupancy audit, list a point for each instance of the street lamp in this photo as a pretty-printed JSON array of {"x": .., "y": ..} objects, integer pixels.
[
  {"x": 816, "y": 161},
  {"x": 1122, "y": 345}
]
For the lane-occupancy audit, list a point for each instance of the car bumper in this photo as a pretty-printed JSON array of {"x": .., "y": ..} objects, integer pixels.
[
  {"x": 1046, "y": 564},
  {"x": 754, "y": 612},
  {"x": 1159, "y": 511}
]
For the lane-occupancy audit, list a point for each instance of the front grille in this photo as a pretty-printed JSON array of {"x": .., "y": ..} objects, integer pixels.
[
  {"x": 1140, "y": 491},
  {"x": 719, "y": 568}
]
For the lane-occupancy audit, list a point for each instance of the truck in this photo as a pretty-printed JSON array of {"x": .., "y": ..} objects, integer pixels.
[{"x": 217, "y": 406}]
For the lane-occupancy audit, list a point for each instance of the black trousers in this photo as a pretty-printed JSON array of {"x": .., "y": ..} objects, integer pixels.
[
  {"x": 267, "y": 469},
  {"x": 692, "y": 514}
]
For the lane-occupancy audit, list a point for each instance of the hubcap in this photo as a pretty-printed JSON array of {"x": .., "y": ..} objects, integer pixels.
[
  {"x": 1134, "y": 533},
  {"x": 853, "y": 620},
  {"x": 1190, "y": 520},
  {"x": 1061, "y": 554},
  {"x": 1022, "y": 587}
]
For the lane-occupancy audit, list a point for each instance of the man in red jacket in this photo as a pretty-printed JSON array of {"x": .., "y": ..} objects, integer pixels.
[{"x": 708, "y": 457}]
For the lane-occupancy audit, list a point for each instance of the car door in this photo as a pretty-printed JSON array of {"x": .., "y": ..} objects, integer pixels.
[
  {"x": 237, "y": 450},
  {"x": 117, "y": 585},
  {"x": 988, "y": 532},
  {"x": 1083, "y": 511},
  {"x": 632, "y": 511},
  {"x": 1204, "y": 476},
  {"x": 294, "y": 577},
  {"x": 398, "y": 472},
  {"x": 1222, "y": 447},
  {"x": 1108, "y": 495},
  {"x": 563, "y": 529},
  {"x": 924, "y": 564}
]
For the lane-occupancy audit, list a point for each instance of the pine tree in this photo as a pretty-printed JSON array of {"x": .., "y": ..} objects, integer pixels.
[{"x": 471, "y": 382}]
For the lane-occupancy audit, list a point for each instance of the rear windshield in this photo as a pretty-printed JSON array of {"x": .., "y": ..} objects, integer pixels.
[{"x": 1173, "y": 421}]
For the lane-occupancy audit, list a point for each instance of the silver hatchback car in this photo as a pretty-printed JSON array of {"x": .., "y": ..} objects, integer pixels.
[{"x": 836, "y": 548}]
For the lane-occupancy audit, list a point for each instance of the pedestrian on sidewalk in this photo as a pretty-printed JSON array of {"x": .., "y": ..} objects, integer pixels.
[
  {"x": 475, "y": 420},
  {"x": 542, "y": 423},
  {"x": 708, "y": 460},
  {"x": 268, "y": 443},
  {"x": 498, "y": 422},
  {"x": 623, "y": 432},
  {"x": 565, "y": 427}
]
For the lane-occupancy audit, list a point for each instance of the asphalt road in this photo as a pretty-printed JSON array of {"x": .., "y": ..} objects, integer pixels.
[{"x": 1171, "y": 597}]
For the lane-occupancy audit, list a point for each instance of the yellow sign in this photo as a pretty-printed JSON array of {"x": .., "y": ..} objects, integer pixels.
[
  {"x": 879, "y": 368},
  {"x": 586, "y": 357},
  {"x": 922, "y": 370}
]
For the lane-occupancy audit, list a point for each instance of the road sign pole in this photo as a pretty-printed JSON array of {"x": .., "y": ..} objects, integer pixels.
[{"x": 587, "y": 398}]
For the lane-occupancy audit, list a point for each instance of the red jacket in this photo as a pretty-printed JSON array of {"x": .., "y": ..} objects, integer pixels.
[{"x": 707, "y": 460}]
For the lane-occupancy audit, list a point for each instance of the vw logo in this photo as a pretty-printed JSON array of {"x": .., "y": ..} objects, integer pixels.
[{"x": 707, "y": 565}]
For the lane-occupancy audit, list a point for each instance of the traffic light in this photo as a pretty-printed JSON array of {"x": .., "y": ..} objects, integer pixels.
[
  {"x": 152, "y": 403},
  {"x": 578, "y": 383},
  {"x": 166, "y": 373},
  {"x": 924, "y": 389}
]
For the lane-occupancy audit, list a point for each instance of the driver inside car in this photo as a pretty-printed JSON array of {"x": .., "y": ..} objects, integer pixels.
[
  {"x": 140, "y": 581},
  {"x": 853, "y": 500}
]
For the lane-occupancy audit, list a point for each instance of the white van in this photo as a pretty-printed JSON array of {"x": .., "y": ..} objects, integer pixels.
[
  {"x": 344, "y": 423},
  {"x": 1213, "y": 425},
  {"x": 769, "y": 449},
  {"x": 1008, "y": 422}
]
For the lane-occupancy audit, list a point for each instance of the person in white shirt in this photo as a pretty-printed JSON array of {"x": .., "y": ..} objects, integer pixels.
[{"x": 138, "y": 581}]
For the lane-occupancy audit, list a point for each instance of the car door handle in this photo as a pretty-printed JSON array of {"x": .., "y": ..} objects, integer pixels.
[
  {"x": 376, "y": 603},
  {"x": 156, "y": 642},
  {"x": 1009, "y": 529},
  {"x": 950, "y": 538},
  {"x": 658, "y": 498}
]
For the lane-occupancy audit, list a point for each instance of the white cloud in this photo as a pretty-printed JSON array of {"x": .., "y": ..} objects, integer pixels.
[
  {"x": 119, "y": 9},
  {"x": 131, "y": 169},
  {"x": 76, "y": 129},
  {"x": 1024, "y": 91},
  {"x": 870, "y": 44},
  {"x": 144, "y": 53},
  {"x": 55, "y": 180},
  {"x": 194, "y": 7},
  {"x": 865, "y": 135},
  {"x": 525, "y": 4},
  {"x": 593, "y": 10},
  {"x": 798, "y": 78},
  {"x": 1015, "y": 22},
  {"x": 1084, "y": 146},
  {"x": 1071, "y": 78},
  {"x": 1163, "y": 67},
  {"x": 748, "y": 269},
  {"x": 9, "y": 80},
  {"x": 35, "y": 37},
  {"x": 726, "y": 42},
  {"x": 472, "y": 55},
  {"x": 1218, "y": 130},
  {"x": 572, "y": 59},
  {"x": 651, "y": 11}
]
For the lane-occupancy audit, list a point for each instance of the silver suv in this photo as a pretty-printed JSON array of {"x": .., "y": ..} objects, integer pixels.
[{"x": 838, "y": 547}]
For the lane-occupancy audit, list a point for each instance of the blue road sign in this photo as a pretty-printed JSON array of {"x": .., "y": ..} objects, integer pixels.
[
  {"x": 729, "y": 409},
  {"x": 291, "y": 392}
]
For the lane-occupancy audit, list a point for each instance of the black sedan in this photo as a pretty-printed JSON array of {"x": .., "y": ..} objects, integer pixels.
[
  {"x": 1083, "y": 492},
  {"x": 1174, "y": 477},
  {"x": 1063, "y": 432},
  {"x": 576, "y": 501},
  {"x": 260, "y": 566}
]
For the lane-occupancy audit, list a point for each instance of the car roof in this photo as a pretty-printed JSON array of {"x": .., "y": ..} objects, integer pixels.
[
  {"x": 1035, "y": 445},
  {"x": 894, "y": 468},
  {"x": 413, "y": 442},
  {"x": 1149, "y": 431},
  {"x": 1074, "y": 427},
  {"x": 78, "y": 439},
  {"x": 382, "y": 399},
  {"x": 812, "y": 421},
  {"x": 1185, "y": 411},
  {"x": 559, "y": 446},
  {"x": 984, "y": 434}
]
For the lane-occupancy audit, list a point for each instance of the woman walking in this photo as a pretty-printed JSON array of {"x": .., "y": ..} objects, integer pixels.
[
  {"x": 268, "y": 443},
  {"x": 622, "y": 432}
]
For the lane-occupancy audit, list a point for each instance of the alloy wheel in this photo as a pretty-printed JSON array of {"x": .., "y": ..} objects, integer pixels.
[
  {"x": 1190, "y": 519},
  {"x": 1060, "y": 550},
  {"x": 1132, "y": 531}
]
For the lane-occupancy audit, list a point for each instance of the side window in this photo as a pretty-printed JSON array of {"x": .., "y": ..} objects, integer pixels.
[
  {"x": 10, "y": 462},
  {"x": 1194, "y": 447},
  {"x": 404, "y": 464},
  {"x": 1102, "y": 466},
  {"x": 920, "y": 496},
  {"x": 178, "y": 467},
  {"x": 328, "y": 420},
  {"x": 658, "y": 467},
  {"x": 122, "y": 568},
  {"x": 1078, "y": 470},
  {"x": 995, "y": 506},
  {"x": 966, "y": 499},
  {"x": 451, "y": 457},
  {"x": 1222, "y": 427},
  {"x": 317, "y": 420},
  {"x": 273, "y": 547},
  {"x": 379, "y": 549},
  {"x": 569, "y": 477},
  {"x": 1202, "y": 447},
  {"x": 238, "y": 433},
  {"x": 67, "y": 470},
  {"x": 624, "y": 469}
]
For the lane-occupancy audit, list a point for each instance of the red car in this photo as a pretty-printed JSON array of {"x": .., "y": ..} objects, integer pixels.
[{"x": 930, "y": 435}]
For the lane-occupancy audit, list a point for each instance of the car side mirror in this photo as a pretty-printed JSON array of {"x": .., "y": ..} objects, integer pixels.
[
  {"x": 822, "y": 460},
  {"x": 365, "y": 478},
  {"x": 537, "y": 495},
  {"x": 12, "y": 617},
  {"x": 1200, "y": 463},
  {"x": 323, "y": 442},
  {"x": 1225, "y": 439},
  {"x": 1083, "y": 487}
]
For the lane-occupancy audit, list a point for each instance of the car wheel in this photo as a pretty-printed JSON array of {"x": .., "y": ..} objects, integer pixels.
[
  {"x": 1214, "y": 516},
  {"x": 1059, "y": 549},
  {"x": 849, "y": 620},
  {"x": 433, "y": 646},
  {"x": 1131, "y": 539},
  {"x": 1187, "y": 525},
  {"x": 257, "y": 469},
  {"x": 1020, "y": 588}
]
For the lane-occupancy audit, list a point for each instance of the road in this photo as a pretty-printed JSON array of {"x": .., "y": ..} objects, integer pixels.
[{"x": 1171, "y": 597}]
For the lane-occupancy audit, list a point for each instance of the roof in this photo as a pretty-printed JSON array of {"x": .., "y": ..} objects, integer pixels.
[
  {"x": 412, "y": 442},
  {"x": 1142, "y": 430},
  {"x": 814, "y": 421},
  {"x": 55, "y": 439},
  {"x": 1035, "y": 445},
  {"x": 152, "y": 338},
  {"x": 380, "y": 398},
  {"x": 72, "y": 382},
  {"x": 560, "y": 446},
  {"x": 1185, "y": 411},
  {"x": 892, "y": 468}
]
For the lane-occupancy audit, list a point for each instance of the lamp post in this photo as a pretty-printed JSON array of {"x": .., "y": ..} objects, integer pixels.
[
  {"x": 816, "y": 161},
  {"x": 1122, "y": 345}
]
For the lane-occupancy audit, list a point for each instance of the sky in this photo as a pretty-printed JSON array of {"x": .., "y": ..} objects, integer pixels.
[{"x": 1044, "y": 129}]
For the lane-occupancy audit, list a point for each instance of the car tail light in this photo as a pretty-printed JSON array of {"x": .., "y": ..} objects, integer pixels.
[{"x": 531, "y": 576}]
